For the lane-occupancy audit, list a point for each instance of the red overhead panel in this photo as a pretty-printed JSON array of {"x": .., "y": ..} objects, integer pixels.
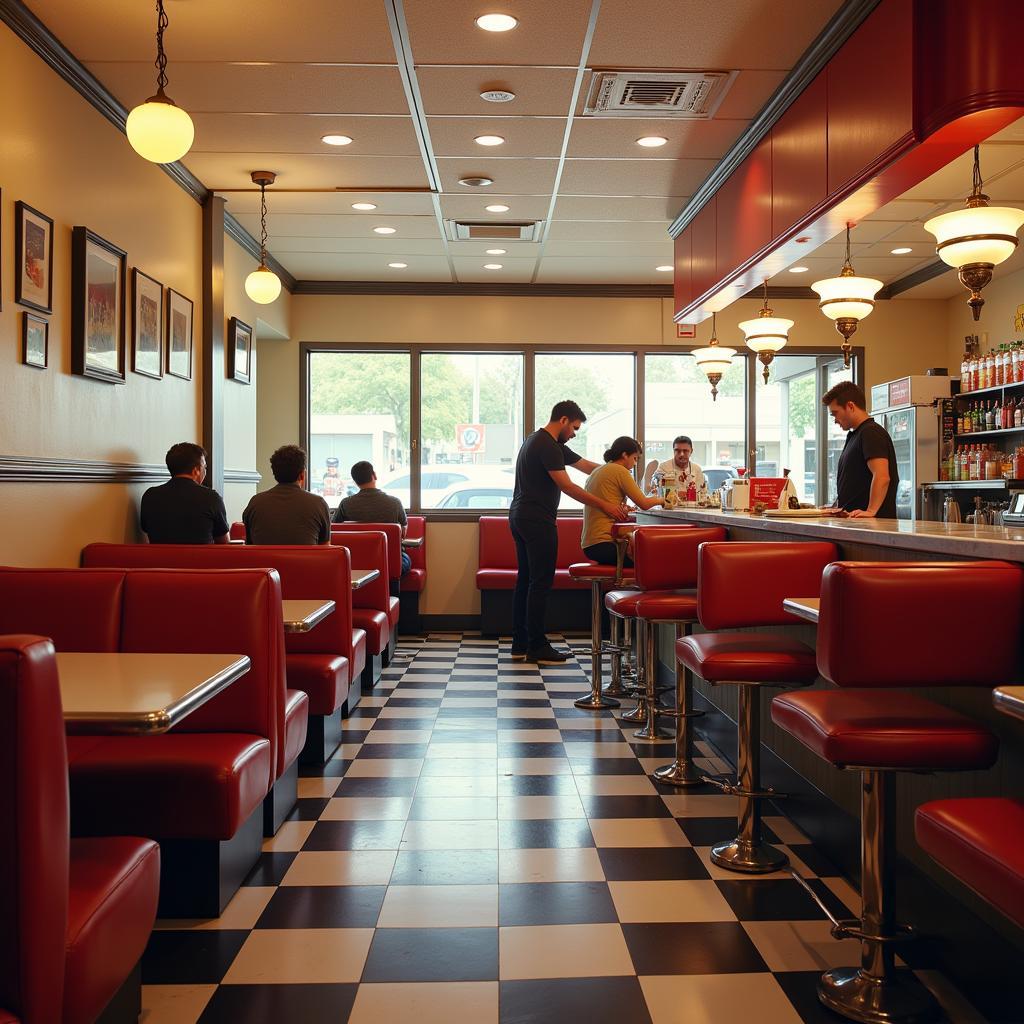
[
  {"x": 800, "y": 158},
  {"x": 704, "y": 270},
  {"x": 745, "y": 210},
  {"x": 683, "y": 278}
]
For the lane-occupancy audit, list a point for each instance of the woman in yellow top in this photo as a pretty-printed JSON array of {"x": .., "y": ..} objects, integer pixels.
[{"x": 612, "y": 482}]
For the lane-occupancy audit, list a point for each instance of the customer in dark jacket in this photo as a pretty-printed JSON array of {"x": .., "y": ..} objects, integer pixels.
[
  {"x": 287, "y": 513},
  {"x": 183, "y": 511}
]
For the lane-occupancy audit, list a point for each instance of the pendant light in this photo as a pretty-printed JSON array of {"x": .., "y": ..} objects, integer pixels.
[
  {"x": 767, "y": 333},
  {"x": 847, "y": 299},
  {"x": 263, "y": 285},
  {"x": 976, "y": 239},
  {"x": 715, "y": 359},
  {"x": 157, "y": 129}
]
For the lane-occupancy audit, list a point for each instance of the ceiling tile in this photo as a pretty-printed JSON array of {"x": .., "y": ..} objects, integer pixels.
[
  {"x": 511, "y": 177},
  {"x": 634, "y": 177},
  {"x": 524, "y": 136},
  {"x": 316, "y": 226},
  {"x": 478, "y": 250},
  {"x": 631, "y": 208},
  {"x": 611, "y": 247},
  {"x": 336, "y": 203},
  {"x": 607, "y": 270},
  {"x": 456, "y": 90},
  {"x": 471, "y": 207},
  {"x": 616, "y": 137},
  {"x": 513, "y": 271},
  {"x": 232, "y": 170},
  {"x": 598, "y": 231},
  {"x": 342, "y": 267},
  {"x": 383, "y": 250}
]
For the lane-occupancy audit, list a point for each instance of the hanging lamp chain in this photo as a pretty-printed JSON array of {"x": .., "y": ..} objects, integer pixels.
[
  {"x": 263, "y": 223},
  {"x": 847, "y": 270},
  {"x": 161, "y": 57},
  {"x": 714, "y": 330},
  {"x": 977, "y": 197}
]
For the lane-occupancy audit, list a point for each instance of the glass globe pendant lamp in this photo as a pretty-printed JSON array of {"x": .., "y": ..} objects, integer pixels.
[
  {"x": 263, "y": 285},
  {"x": 977, "y": 239},
  {"x": 158, "y": 130},
  {"x": 847, "y": 299},
  {"x": 766, "y": 334},
  {"x": 715, "y": 359}
]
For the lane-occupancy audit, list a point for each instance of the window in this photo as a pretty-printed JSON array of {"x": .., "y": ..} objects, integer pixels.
[
  {"x": 358, "y": 410},
  {"x": 472, "y": 428}
]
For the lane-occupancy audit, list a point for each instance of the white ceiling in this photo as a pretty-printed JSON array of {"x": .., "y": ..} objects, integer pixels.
[{"x": 264, "y": 82}]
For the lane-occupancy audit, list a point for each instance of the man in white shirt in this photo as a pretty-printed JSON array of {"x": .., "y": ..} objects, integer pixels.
[{"x": 686, "y": 471}]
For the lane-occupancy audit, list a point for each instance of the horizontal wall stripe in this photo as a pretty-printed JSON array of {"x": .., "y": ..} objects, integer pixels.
[{"x": 26, "y": 469}]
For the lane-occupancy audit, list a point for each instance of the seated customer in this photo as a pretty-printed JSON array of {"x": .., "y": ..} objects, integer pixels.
[
  {"x": 183, "y": 511},
  {"x": 371, "y": 505},
  {"x": 287, "y": 513},
  {"x": 612, "y": 482}
]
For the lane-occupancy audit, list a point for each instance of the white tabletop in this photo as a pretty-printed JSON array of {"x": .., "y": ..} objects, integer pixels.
[
  {"x": 300, "y": 616},
  {"x": 360, "y": 577},
  {"x": 803, "y": 607},
  {"x": 140, "y": 693},
  {"x": 412, "y": 542},
  {"x": 1009, "y": 700}
]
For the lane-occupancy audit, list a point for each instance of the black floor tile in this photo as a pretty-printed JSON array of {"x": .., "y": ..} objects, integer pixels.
[
  {"x": 643, "y": 748},
  {"x": 362, "y": 712},
  {"x": 647, "y": 864},
  {"x": 402, "y": 701},
  {"x": 589, "y": 735},
  {"x": 308, "y": 808},
  {"x": 269, "y": 869},
  {"x": 544, "y": 834},
  {"x": 199, "y": 957},
  {"x": 536, "y": 903},
  {"x": 271, "y": 1004},
  {"x": 402, "y": 724},
  {"x": 445, "y": 867},
  {"x": 392, "y": 750},
  {"x": 323, "y": 906},
  {"x": 769, "y": 899},
  {"x": 355, "y": 835},
  {"x": 625, "y": 807},
  {"x": 816, "y": 861},
  {"x": 711, "y": 831},
  {"x": 718, "y": 947},
  {"x": 606, "y": 765},
  {"x": 594, "y": 1000},
  {"x": 531, "y": 749},
  {"x": 801, "y": 988},
  {"x": 432, "y": 954},
  {"x": 366, "y": 786},
  {"x": 536, "y": 785},
  {"x": 331, "y": 770},
  {"x": 473, "y": 712}
]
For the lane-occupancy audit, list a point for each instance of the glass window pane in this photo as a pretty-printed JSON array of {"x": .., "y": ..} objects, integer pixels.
[
  {"x": 677, "y": 400},
  {"x": 834, "y": 373},
  {"x": 472, "y": 414},
  {"x": 602, "y": 385},
  {"x": 358, "y": 410}
]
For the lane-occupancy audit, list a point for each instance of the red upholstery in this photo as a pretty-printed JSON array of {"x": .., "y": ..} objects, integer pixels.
[
  {"x": 866, "y": 728},
  {"x": 748, "y": 658},
  {"x": 375, "y": 625},
  {"x": 980, "y": 840},
  {"x": 236, "y": 531},
  {"x": 927, "y": 599},
  {"x": 497, "y": 564},
  {"x": 87, "y": 617},
  {"x": 358, "y": 662},
  {"x": 416, "y": 578},
  {"x": 744, "y": 584},
  {"x": 368, "y": 549},
  {"x": 392, "y": 531},
  {"x": 320, "y": 677},
  {"x": 296, "y": 722},
  {"x": 76, "y": 915},
  {"x": 666, "y": 556},
  {"x": 622, "y": 602},
  {"x": 112, "y": 903},
  {"x": 587, "y": 572},
  {"x": 667, "y": 606}
]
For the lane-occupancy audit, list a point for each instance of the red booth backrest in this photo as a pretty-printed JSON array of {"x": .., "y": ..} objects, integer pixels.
[
  {"x": 320, "y": 571},
  {"x": 237, "y": 531},
  {"x": 392, "y": 531},
  {"x": 79, "y": 611},
  {"x": 34, "y": 847},
  {"x": 498, "y": 550},
  {"x": 666, "y": 556},
  {"x": 744, "y": 584},
  {"x": 416, "y": 528},
  {"x": 903, "y": 623},
  {"x": 367, "y": 550}
]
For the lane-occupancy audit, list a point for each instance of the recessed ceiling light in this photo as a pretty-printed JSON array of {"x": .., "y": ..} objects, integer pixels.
[
  {"x": 652, "y": 141},
  {"x": 496, "y": 252},
  {"x": 798, "y": 270},
  {"x": 385, "y": 231},
  {"x": 489, "y": 140},
  {"x": 497, "y": 208},
  {"x": 664, "y": 269},
  {"x": 364, "y": 206},
  {"x": 476, "y": 182},
  {"x": 336, "y": 140},
  {"x": 497, "y": 95},
  {"x": 901, "y": 251},
  {"x": 496, "y": 22},
  {"x": 493, "y": 266},
  {"x": 398, "y": 266}
]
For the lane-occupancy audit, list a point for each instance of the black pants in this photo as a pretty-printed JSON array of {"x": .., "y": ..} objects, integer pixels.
[
  {"x": 537, "y": 553},
  {"x": 395, "y": 586},
  {"x": 606, "y": 553}
]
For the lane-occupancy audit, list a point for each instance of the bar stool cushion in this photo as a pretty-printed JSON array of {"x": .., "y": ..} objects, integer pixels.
[
  {"x": 748, "y": 658},
  {"x": 324, "y": 677},
  {"x": 894, "y": 730},
  {"x": 622, "y": 602},
  {"x": 112, "y": 900},
  {"x": 296, "y": 721},
  {"x": 667, "y": 605},
  {"x": 979, "y": 840},
  {"x": 595, "y": 571}
]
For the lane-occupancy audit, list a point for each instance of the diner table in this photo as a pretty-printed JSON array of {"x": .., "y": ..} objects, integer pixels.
[
  {"x": 300, "y": 616},
  {"x": 136, "y": 693},
  {"x": 360, "y": 577},
  {"x": 1009, "y": 700},
  {"x": 412, "y": 542},
  {"x": 806, "y": 608}
]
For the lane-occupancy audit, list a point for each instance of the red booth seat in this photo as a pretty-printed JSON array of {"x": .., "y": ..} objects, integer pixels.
[
  {"x": 497, "y": 564},
  {"x": 77, "y": 913},
  {"x": 372, "y": 604},
  {"x": 393, "y": 557},
  {"x": 416, "y": 578}
]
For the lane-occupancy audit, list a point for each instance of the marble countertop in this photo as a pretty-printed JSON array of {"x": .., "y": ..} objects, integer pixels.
[{"x": 962, "y": 539}]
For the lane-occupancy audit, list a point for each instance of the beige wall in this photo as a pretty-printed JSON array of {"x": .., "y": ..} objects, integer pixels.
[
  {"x": 62, "y": 157},
  {"x": 1002, "y": 297}
]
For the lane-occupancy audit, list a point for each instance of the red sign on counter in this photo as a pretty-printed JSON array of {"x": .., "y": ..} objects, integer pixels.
[
  {"x": 899, "y": 391},
  {"x": 766, "y": 489}
]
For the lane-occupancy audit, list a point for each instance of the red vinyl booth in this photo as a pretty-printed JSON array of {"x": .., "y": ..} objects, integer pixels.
[
  {"x": 392, "y": 531},
  {"x": 414, "y": 581},
  {"x": 372, "y": 604},
  {"x": 321, "y": 663},
  {"x": 76, "y": 913}
]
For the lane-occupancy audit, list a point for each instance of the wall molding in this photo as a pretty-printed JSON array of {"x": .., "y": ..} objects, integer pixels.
[
  {"x": 29, "y": 469},
  {"x": 602, "y": 291},
  {"x": 908, "y": 281},
  {"x": 242, "y": 476}
]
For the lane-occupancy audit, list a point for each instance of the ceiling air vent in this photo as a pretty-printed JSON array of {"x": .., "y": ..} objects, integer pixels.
[
  {"x": 519, "y": 231},
  {"x": 690, "y": 95}
]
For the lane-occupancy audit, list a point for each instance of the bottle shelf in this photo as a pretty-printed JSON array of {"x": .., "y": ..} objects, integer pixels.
[
  {"x": 971, "y": 485},
  {"x": 990, "y": 391},
  {"x": 985, "y": 433}
]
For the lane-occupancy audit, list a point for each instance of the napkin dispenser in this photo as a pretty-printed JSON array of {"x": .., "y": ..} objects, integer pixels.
[{"x": 736, "y": 494}]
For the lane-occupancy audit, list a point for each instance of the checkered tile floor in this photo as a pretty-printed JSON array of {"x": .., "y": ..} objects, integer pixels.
[{"x": 482, "y": 851}]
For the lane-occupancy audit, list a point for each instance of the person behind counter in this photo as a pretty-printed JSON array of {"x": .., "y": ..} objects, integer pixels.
[
  {"x": 686, "y": 471},
  {"x": 867, "y": 478}
]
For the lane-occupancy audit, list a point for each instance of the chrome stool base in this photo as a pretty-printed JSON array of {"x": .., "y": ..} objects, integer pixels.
[
  {"x": 596, "y": 702},
  {"x": 748, "y": 858},
  {"x": 899, "y": 998},
  {"x": 680, "y": 773},
  {"x": 655, "y": 735},
  {"x": 637, "y": 714}
]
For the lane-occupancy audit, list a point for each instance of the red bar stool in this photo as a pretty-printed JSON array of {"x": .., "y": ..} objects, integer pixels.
[
  {"x": 741, "y": 585},
  {"x": 879, "y": 733},
  {"x": 620, "y": 643}
]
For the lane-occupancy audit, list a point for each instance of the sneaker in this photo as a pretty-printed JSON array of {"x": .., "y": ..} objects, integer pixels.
[
  {"x": 547, "y": 656},
  {"x": 518, "y": 655}
]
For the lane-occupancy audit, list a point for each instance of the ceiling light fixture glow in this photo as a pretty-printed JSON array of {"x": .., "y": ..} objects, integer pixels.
[
  {"x": 497, "y": 95},
  {"x": 263, "y": 285},
  {"x": 493, "y": 266},
  {"x": 489, "y": 140},
  {"x": 766, "y": 334},
  {"x": 336, "y": 140},
  {"x": 497, "y": 208},
  {"x": 398, "y": 266},
  {"x": 798, "y": 270},
  {"x": 385, "y": 231},
  {"x": 476, "y": 182},
  {"x": 664, "y": 268},
  {"x": 364, "y": 206},
  {"x": 715, "y": 359},
  {"x": 496, "y": 252},
  {"x": 496, "y": 22},
  {"x": 652, "y": 141},
  {"x": 901, "y": 251}
]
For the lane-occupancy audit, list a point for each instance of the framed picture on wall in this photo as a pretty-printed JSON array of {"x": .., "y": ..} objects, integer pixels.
[
  {"x": 239, "y": 351},
  {"x": 179, "y": 335},
  {"x": 33, "y": 258},
  {"x": 98, "y": 271},
  {"x": 147, "y": 325},
  {"x": 35, "y": 340}
]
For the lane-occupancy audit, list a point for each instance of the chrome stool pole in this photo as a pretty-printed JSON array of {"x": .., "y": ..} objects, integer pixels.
[
  {"x": 639, "y": 713},
  {"x": 596, "y": 699},
  {"x": 616, "y": 648},
  {"x": 651, "y": 730},
  {"x": 682, "y": 771}
]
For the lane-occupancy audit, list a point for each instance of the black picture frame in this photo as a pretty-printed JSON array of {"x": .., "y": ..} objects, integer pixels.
[
  {"x": 180, "y": 311},
  {"x": 147, "y": 325},
  {"x": 30, "y": 326},
  {"x": 239, "y": 351},
  {"x": 33, "y": 258},
  {"x": 98, "y": 272}
]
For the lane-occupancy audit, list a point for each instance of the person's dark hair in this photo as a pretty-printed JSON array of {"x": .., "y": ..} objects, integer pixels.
[
  {"x": 569, "y": 409},
  {"x": 845, "y": 391},
  {"x": 183, "y": 457},
  {"x": 682, "y": 439},
  {"x": 288, "y": 463},
  {"x": 362, "y": 473},
  {"x": 621, "y": 446}
]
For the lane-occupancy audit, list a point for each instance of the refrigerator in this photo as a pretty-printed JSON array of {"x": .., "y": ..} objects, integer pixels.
[{"x": 908, "y": 409}]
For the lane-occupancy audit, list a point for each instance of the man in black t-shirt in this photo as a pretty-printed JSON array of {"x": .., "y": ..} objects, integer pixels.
[
  {"x": 183, "y": 511},
  {"x": 866, "y": 478},
  {"x": 541, "y": 479}
]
